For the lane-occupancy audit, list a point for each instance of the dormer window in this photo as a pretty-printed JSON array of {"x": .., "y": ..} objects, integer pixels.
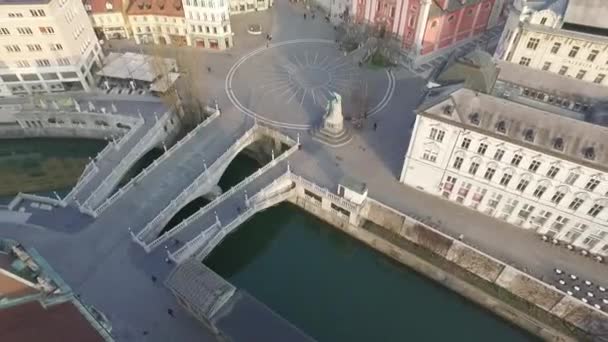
[
  {"x": 558, "y": 144},
  {"x": 589, "y": 153},
  {"x": 501, "y": 127},
  {"x": 447, "y": 110},
  {"x": 109, "y": 5},
  {"x": 177, "y": 4},
  {"x": 475, "y": 118},
  {"x": 529, "y": 135},
  {"x": 161, "y": 4}
]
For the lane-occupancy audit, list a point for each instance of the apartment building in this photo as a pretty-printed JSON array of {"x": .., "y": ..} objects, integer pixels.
[
  {"x": 109, "y": 18},
  {"x": 47, "y": 46},
  {"x": 569, "y": 38},
  {"x": 209, "y": 23},
  {"x": 244, "y": 6},
  {"x": 428, "y": 26},
  {"x": 158, "y": 22},
  {"x": 530, "y": 151}
]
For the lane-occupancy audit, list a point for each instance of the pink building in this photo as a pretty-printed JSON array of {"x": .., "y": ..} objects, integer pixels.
[{"x": 426, "y": 26}]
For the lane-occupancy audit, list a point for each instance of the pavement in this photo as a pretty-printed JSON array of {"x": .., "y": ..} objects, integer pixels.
[{"x": 108, "y": 270}]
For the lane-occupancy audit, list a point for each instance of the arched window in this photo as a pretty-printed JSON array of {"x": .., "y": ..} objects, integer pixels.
[
  {"x": 475, "y": 118},
  {"x": 558, "y": 144},
  {"x": 529, "y": 135},
  {"x": 501, "y": 127},
  {"x": 589, "y": 153}
]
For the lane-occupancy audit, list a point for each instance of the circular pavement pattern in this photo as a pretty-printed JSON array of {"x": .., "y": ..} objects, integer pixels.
[{"x": 289, "y": 83}]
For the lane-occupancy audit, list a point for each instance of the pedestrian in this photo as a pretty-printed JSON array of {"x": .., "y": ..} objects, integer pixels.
[
  {"x": 170, "y": 312},
  {"x": 313, "y": 16},
  {"x": 375, "y": 126},
  {"x": 208, "y": 69},
  {"x": 176, "y": 242},
  {"x": 145, "y": 332},
  {"x": 304, "y": 16},
  {"x": 153, "y": 279},
  {"x": 238, "y": 209}
]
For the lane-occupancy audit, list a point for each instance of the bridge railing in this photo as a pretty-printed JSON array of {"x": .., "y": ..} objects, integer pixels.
[
  {"x": 91, "y": 168},
  {"x": 333, "y": 197},
  {"x": 156, "y": 162},
  {"x": 137, "y": 151},
  {"x": 152, "y": 225},
  {"x": 36, "y": 198},
  {"x": 203, "y": 178},
  {"x": 193, "y": 245}
]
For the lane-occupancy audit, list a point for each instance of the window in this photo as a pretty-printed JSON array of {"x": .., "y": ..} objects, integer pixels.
[
  {"x": 523, "y": 184},
  {"x": 529, "y": 135},
  {"x": 433, "y": 23},
  {"x": 576, "y": 203},
  {"x": 489, "y": 173},
  {"x": 581, "y": 74},
  {"x": 506, "y": 178},
  {"x": 573, "y": 51},
  {"x": 56, "y": 47},
  {"x": 557, "y": 197},
  {"x": 599, "y": 78},
  {"x": 563, "y": 70},
  {"x": 555, "y": 48},
  {"x": 12, "y": 48},
  {"x": 494, "y": 200},
  {"x": 457, "y": 163},
  {"x": 34, "y": 47},
  {"x": 572, "y": 177},
  {"x": 525, "y": 211},
  {"x": 546, "y": 66},
  {"x": 540, "y": 190},
  {"x": 524, "y": 61},
  {"x": 592, "y": 55},
  {"x": 429, "y": 155},
  {"x": 63, "y": 61},
  {"x": 437, "y": 134},
  {"x": 37, "y": 13},
  {"x": 559, "y": 223},
  {"x": 466, "y": 142},
  {"x": 595, "y": 210},
  {"x": 24, "y": 30},
  {"x": 482, "y": 148},
  {"x": 553, "y": 170},
  {"x": 543, "y": 20},
  {"x": 23, "y": 64},
  {"x": 592, "y": 184},
  {"x": 4, "y": 31},
  {"x": 533, "y": 43},
  {"x": 516, "y": 160},
  {"x": 534, "y": 165},
  {"x": 499, "y": 154},
  {"x": 473, "y": 168},
  {"x": 43, "y": 62},
  {"x": 46, "y": 30},
  {"x": 501, "y": 127}
]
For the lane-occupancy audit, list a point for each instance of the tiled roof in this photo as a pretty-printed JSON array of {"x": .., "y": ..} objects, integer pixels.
[
  {"x": 171, "y": 8},
  {"x": 104, "y": 6},
  {"x": 31, "y": 322}
]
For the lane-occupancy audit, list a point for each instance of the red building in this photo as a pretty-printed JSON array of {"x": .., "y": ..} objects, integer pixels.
[{"x": 426, "y": 26}]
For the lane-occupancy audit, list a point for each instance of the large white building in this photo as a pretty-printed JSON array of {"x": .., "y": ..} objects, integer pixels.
[
  {"x": 569, "y": 38},
  {"x": 533, "y": 151},
  {"x": 208, "y": 23},
  {"x": 46, "y": 46}
]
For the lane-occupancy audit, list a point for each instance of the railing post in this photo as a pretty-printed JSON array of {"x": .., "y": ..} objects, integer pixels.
[
  {"x": 272, "y": 154},
  {"x": 298, "y": 138},
  {"x": 246, "y": 199},
  {"x": 217, "y": 219},
  {"x": 205, "y": 165}
]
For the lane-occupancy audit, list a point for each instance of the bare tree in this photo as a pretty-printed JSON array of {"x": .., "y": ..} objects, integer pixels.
[{"x": 360, "y": 98}]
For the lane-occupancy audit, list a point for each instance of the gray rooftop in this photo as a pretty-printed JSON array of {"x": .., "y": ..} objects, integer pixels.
[
  {"x": 588, "y": 13},
  {"x": 557, "y": 6},
  {"x": 575, "y": 136},
  {"x": 476, "y": 69}
]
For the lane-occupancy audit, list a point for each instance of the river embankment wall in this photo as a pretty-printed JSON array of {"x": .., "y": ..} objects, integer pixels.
[{"x": 506, "y": 291}]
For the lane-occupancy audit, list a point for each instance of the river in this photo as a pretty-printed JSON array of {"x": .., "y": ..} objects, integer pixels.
[{"x": 328, "y": 284}]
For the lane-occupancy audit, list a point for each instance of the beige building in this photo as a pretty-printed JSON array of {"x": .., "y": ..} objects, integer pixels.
[
  {"x": 158, "y": 22},
  {"x": 208, "y": 24},
  {"x": 47, "y": 46},
  {"x": 109, "y": 18},
  {"x": 530, "y": 150},
  {"x": 569, "y": 38},
  {"x": 244, "y": 6}
]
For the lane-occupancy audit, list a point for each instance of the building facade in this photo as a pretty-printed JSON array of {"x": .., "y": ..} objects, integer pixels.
[
  {"x": 47, "y": 46},
  {"x": 427, "y": 26},
  {"x": 511, "y": 158},
  {"x": 109, "y": 18},
  {"x": 244, "y": 6},
  {"x": 208, "y": 23},
  {"x": 558, "y": 36},
  {"x": 158, "y": 22}
]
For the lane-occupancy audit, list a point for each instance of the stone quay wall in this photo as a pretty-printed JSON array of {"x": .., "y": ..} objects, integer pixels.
[{"x": 511, "y": 294}]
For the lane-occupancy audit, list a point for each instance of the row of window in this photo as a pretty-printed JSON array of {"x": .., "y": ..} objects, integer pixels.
[
  {"x": 203, "y": 3},
  {"x": 564, "y": 70},
  {"x": 33, "y": 13},
  {"x": 27, "y": 31},
  {"x": 33, "y": 47},
  {"x": 526, "y": 209},
  {"x": 212, "y": 17},
  {"x": 591, "y": 57},
  {"x": 159, "y": 29},
  {"x": 145, "y": 19}
]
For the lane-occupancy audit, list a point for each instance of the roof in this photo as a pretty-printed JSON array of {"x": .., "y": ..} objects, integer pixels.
[
  {"x": 104, "y": 6},
  {"x": 171, "y": 8},
  {"x": 491, "y": 112},
  {"x": 476, "y": 69},
  {"x": 556, "y": 6},
  {"x": 204, "y": 290},
  {"x": 136, "y": 66},
  {"x": 353, "y": 184},
  {"x": 450, "y": 6},
  {"x": 566, "y": 33},
  {"x": 550, "y": 82},
  {"x": 578, "y": 12},
  {"x": 56, "y": 323}
]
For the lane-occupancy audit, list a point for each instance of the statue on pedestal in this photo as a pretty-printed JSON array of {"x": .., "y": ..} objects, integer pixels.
[{"x": 333, "y": 120}]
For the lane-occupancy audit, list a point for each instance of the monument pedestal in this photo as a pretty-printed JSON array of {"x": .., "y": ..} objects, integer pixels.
[{"x": 331, "y": 131}]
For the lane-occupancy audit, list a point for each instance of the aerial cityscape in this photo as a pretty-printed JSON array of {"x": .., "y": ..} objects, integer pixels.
[{"x": 299, "y": 170}]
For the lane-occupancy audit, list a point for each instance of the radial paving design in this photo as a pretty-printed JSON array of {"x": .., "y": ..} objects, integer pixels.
[{"x": 288, "y": 84}]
